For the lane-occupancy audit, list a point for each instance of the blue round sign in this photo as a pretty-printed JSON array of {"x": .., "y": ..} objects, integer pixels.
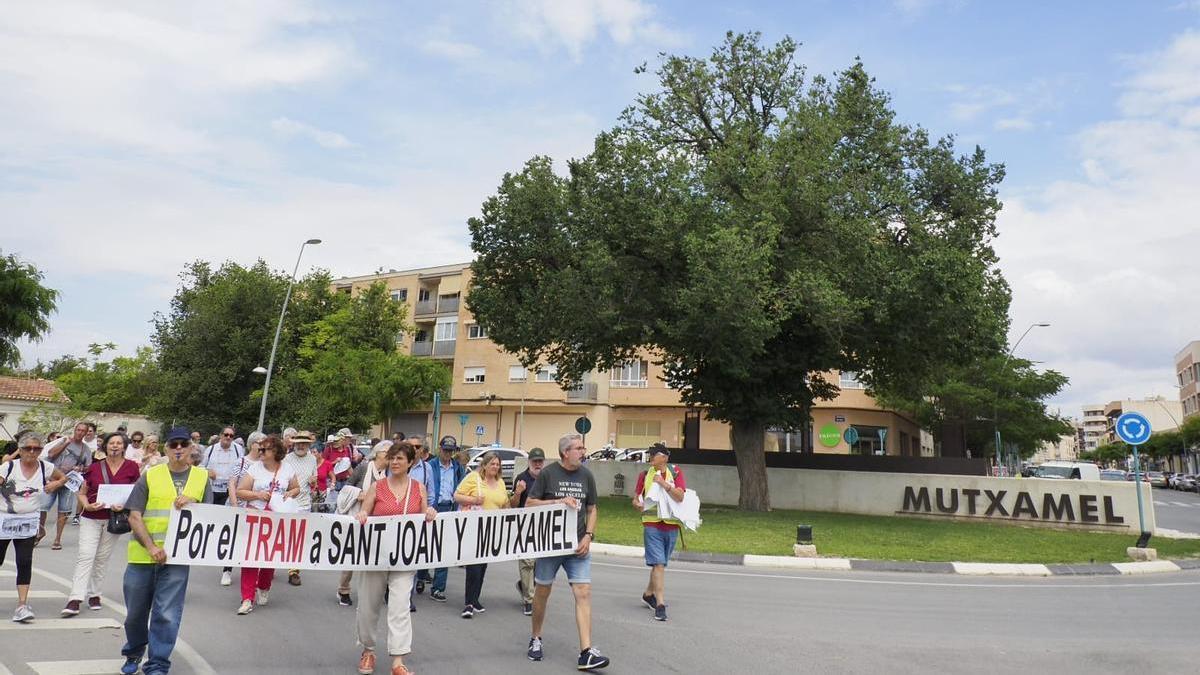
[
  {"x": 1133, "y": 428},
  {"x": 851, "y": 435}
]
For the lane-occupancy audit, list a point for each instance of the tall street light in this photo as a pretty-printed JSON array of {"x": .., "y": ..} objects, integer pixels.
[
  {"x": 996, "y": 406},
  {"x": 262, "y": 410}
]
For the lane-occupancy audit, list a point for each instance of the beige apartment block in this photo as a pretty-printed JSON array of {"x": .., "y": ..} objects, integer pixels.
[
  {"x": 494, "y": 399},
  {"x": 1066, "y": 448},
  {"x": 1093, "y": 428},
  {"x": 1187, "y": 370},
  {"x": 1164, "y": 414}
]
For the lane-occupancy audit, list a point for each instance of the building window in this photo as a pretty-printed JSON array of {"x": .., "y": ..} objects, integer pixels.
[
  {"x": 445, "y": 330},
  {"x": 345, "y": 290},
  {"x": 546, "y": 374},
  {"x": 849, "y": 380},
  {"x": 422, "y": 294},
  {"x": 474, "y": 375},
  {"x": 630, "y": 374},
  {"x": 400, "y": 295},
  {"x": 517, "y": 373},
  {"x": 421, "y": 336},
  {"x": 638, "y": 433},
  {"x": 476, "y": 332}
]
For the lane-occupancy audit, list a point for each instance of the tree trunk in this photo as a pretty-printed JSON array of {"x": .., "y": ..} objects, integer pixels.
[{"x": 747, "y": 440}]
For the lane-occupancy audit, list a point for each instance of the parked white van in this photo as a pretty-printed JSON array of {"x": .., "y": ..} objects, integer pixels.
[{"x": 1069, "y": 470}]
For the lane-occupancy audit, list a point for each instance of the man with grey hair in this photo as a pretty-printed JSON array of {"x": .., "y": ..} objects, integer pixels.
[{"x": 570, "y": 483}]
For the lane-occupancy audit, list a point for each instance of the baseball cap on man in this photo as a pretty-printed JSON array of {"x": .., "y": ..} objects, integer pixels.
[
  {"x": 448, "y": 443},
  {"x": 179, "y": 434},
  {"x": 537, "y": 453}
]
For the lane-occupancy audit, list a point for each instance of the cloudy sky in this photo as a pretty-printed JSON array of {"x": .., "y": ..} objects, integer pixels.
[{"x": 137, "y": 136}]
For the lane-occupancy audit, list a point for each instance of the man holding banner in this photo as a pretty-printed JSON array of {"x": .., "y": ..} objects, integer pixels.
[
  {"x": 569, "y": 483},
  {"x": 155, "y": 590}
]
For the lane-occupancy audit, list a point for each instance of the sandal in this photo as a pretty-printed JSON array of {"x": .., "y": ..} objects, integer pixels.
[
  {"x": 56, "y": 547},
  {"x": 40, "y": 536},
  {"x": 401, "y": 670}
]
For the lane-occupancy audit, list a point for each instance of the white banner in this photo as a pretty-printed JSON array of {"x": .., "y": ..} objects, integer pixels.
[
  {"x": 19, "y": 525},
  {"x": 205, "y": 534}
]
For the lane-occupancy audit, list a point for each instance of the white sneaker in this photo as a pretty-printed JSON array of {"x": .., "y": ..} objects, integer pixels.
[
  {"x": 24, "y": 614},
  {"x": 261, "y": 597},
  {"x": 246, "y": 607},
  {"x": 226, "y": 578}
]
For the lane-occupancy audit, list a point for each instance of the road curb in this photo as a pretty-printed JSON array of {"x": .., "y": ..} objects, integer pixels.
[{"x": 961, "y": 568}]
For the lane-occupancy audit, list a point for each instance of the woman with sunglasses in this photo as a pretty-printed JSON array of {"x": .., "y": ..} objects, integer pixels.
[
  {"x": 95, "y": 541},
  {"x": 258, "y": 485},
  {"x": 396, "y": 495},
  {"x": 25, "y": 485}
]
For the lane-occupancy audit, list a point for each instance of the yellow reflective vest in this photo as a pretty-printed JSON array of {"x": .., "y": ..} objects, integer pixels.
[
  {"x": 648, "y": 517},
  {"x": 160, "y": 499}
]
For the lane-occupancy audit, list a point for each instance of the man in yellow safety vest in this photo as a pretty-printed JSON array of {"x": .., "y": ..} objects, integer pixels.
[{"x": 155, "y": 590}]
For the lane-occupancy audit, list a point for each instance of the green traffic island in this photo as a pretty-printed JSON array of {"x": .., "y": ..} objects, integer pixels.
[{"x": 726, "y": 530}]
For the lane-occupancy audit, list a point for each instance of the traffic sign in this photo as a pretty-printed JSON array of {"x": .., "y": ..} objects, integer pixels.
[
  {"x": 1133, "y": 428},
  {"x": 462, "y": 420},
  {"x": 583, "y": 425},
  {"x": 479, "y": 430},
  {"x": 829, "y": 435},
  {"x": 851, "y": 435}
]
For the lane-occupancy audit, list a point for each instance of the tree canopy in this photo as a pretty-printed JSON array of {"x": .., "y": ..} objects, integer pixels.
[
  {"x": 25, "y": 306},
  {"x": 752, "y": 228}
]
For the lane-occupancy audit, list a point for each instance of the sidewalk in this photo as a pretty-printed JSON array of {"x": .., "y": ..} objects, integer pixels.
[{"x": 964, "y": 568}]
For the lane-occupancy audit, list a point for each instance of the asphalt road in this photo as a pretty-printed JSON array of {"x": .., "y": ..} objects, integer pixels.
[
  {"x": 1177, "y": 510},
  {"x": 723, "y": 619}
]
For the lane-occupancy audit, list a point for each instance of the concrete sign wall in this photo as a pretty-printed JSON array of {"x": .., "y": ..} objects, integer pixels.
[{"x": 1107, "y": 506}]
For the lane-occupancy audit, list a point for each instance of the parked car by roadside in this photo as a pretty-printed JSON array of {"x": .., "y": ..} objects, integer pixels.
[
  {"x": 508, "y": 460},
  {"x": 1069, "y": 470},
  {"x": 632, "y": 455},
  {"x": 1112, "y": 474},
  {"x": 1157, "y": 479}
]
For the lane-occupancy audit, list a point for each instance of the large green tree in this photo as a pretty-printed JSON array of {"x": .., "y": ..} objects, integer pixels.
[
  {"x": 219, "y": 328},
  {"x": 352, "y": 372},
  {"x": 966, "y": 399},
  {"x": 122, "y": 384},
  {"x": 25, "y": 307},
  {"x": 753, "y": 229}
]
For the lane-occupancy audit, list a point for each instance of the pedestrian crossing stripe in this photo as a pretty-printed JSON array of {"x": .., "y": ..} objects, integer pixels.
[
  {"x": 78, "y": 667},
  {"x": 61, "y": 624},
  {"x": 12, "y": 595}
]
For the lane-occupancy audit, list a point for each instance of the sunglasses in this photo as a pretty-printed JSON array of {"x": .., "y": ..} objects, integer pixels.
[
  {"x": 35, "y": 448},
  {"x": 177, "y": 444},
  {"x": 226, "y": 435}
]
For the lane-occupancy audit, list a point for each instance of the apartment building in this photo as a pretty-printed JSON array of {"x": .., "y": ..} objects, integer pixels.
[
  {"x": 1093, "y": 428},
  {"x": 494, "y": 398},
  {"x": 1163, "y": 413},
  {"x": 1066, "y": 448},
  {"x": 1187, "y": 370}
]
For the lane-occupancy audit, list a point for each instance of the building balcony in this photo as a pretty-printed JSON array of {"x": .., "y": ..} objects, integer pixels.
[
  {"x": 443, "y": 348},
  {"x": 448, "y": 306},
  {"x": 425, "y": 307},
  {"x": 422, "y": 348},
  {"x": 628, "y": 384},
  {"x": 586, "y": 392}
]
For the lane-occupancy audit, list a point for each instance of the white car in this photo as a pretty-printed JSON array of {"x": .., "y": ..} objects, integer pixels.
[
  {"x": 631, "y": 455},
  {"x": 508, "y": 460}
]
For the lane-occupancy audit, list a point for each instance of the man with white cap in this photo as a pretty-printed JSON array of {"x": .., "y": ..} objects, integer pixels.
[{"x": 303, "y": 464}]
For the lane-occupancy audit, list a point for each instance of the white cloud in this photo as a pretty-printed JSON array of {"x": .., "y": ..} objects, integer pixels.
[
  {"x": 326, "y": 139},
  {"x": 451, "y": 49},
  {"x": 1013, "y": 124},
  {"x": 573, "y": 24},
  {"x": 1108, "y": 258}
]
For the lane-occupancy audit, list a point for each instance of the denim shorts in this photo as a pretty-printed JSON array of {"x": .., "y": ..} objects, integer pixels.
[
  {"x": 579, "y": 570},
  {"x": 66, "y": 501},
  {"x": 659, "y": 545}
]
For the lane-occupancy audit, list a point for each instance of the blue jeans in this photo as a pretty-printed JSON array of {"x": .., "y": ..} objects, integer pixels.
[
  {"x": 659, "y": 545},
  {"x": 579, "y": 570},
  {"x": 154, "y": 600},
  {"x": 440, "y": 574}
]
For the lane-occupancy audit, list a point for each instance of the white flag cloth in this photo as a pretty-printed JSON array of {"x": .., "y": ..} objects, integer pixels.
[{"x": 686, "y": 511}]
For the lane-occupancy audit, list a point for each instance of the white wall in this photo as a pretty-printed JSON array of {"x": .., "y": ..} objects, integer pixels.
[{"x": 1112, "y": 504}]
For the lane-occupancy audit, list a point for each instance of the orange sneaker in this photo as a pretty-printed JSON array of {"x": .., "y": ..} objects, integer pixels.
[
  {"x": 366, "y": 665},
  {"x": 401, "y": 670}
]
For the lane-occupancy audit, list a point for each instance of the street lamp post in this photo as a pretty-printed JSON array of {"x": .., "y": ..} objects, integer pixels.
[
  {"x": 262, "y": 410},
  {"x": 996, "y": 405}
]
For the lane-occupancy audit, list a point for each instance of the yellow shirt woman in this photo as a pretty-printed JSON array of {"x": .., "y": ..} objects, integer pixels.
[{"x": 494, "y": 496}]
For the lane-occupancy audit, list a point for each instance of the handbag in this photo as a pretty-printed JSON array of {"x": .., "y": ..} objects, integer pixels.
[
  {"x": 478, "y": 493},
  {"x": 118, "y": 521}
]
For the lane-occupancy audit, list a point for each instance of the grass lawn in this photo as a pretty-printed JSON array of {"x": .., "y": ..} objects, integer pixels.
[{"x": 839, "y": 535}]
